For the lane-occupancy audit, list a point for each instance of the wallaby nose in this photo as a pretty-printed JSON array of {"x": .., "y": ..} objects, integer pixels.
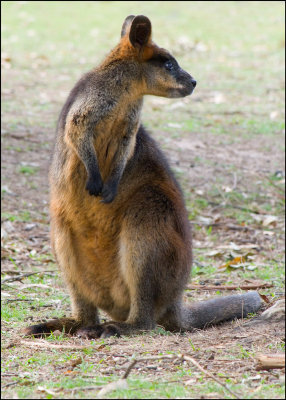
[{"x": 194, "y": 83}]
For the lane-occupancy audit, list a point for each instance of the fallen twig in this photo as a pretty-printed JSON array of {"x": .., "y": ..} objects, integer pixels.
[
  {"x": 11, "y": 384},
  {"x": 20, "y": 277},
  {"x": 47, "y": 345},
  {"x": 212, "y": 203},
  {"x": 194, "y": 362},
  {"x": 233, "y": 287},
  {"x": 224, "y": 225},
  {"x": 10, "y": 374},
  {"x": 135, "y": 361},
  {"x": 281, "y": 189},
  {"x": 270, "y": 361},
  {"x": 12, "y": 300}
]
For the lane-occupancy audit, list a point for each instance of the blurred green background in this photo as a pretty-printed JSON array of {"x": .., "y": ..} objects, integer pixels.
[{"x": 234, "y": 47}]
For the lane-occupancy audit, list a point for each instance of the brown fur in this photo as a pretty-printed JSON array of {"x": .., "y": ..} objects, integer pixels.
[{"x": 119, "y": 226}]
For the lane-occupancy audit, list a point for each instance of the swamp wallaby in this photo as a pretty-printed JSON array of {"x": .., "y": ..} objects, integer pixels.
[{"x": 119, "y": 227}]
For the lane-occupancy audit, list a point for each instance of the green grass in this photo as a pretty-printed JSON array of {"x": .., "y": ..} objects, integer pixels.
[
  {"x": 27, "y": 170},
  {"x": 140, "y": 388},
  {"x": 24, "y": 216}
]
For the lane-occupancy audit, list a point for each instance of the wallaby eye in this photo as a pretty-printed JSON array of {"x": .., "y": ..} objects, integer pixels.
[{"x": 169, "y": 65}]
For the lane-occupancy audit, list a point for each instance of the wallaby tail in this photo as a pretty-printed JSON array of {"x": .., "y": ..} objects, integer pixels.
[
  {"x": 69, "y": 325},
  {"x": 211, "y": 312}
]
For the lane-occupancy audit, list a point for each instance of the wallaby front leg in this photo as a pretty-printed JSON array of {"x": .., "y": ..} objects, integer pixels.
[
  {"x": 119, "y": 162},
  {"x": 80, "y": 138}
]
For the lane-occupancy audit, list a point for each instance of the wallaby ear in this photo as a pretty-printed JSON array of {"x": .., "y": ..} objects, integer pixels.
[
  {"x": 140, "y": 31},
  {"x": 126, "y": 24}
]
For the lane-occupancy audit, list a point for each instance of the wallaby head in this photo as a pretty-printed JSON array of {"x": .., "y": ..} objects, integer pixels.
[{"x": 158, "y": 72}]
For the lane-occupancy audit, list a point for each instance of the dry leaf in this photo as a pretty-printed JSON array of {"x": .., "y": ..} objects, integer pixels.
[
  {"x": 227, "y": 189},
  {"x": 265, "y": 219},
  {"x": 45, "y": 390},
  {"x": 234, "y": 261},
  {"x": 76, "y": 362},
  {"x": 214, "y": 253},
  {"x": 264, "y": 298},
  {"x": 268, "y": 233},
  {"x": 70, "y": 372},
  {"x": 102, "y": 346},
  {"x": 269, "y": 220},
  {"x": 205, "y": 220}
]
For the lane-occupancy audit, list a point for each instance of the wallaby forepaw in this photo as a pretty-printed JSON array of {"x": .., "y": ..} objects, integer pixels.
[
  {"x": 108, "y": 193},
  {"x": 94, "y": 187}
]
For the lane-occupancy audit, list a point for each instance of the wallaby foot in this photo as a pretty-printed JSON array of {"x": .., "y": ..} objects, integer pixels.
[
  {"x": 113, "y": 328},
  {"x": 99, "y": 331},
  {"x": 90, "y": 332}
]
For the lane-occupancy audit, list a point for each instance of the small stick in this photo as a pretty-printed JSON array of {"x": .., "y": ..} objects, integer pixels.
[
  {"x": 194, "y": 362},
  {"x": 83, "y": 388},
  {"x": 20, "y": 277},
  {"x": 12, "y": 300},
  {"x": 10, "y": 374},
  {"x": 224, "y": 225},
  {"x": 45, "y": 344},
  {"x": 132, "y": 364},
  {"x": 270, "y": 361},
  {"x": 212, "y": 203},
  {"x": 234, "y": 287},
  {"x": 11, "y": 384},
  {"x": 274, "y": 184}
]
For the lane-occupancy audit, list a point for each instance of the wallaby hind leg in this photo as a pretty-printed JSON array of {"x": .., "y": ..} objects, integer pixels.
[
  {"x": 137, "y": 260},
  {"x": 151, "y": 263},
  {"x": 171, "y": 320},
  {"x": 142, "y": 295},
  {"x": 84, "y": 312}
]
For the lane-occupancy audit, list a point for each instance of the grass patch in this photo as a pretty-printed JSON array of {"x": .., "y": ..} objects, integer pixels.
[
  {"x": 27, "y": 170},
  {"x": 23, "y": 216}
]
